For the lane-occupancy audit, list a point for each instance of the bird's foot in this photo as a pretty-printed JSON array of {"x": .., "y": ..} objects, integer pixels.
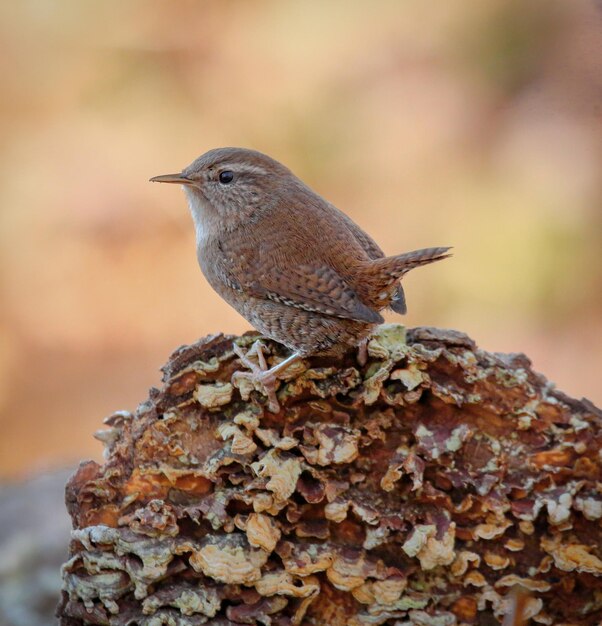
[{"x": 260, "y": 374}]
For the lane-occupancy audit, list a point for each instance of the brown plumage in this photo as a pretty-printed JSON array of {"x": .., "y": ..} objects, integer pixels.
[{"x": 300, "y": 270}]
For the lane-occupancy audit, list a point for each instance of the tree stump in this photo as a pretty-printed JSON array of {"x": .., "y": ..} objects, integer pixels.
[{"x": 421, "y": 488}]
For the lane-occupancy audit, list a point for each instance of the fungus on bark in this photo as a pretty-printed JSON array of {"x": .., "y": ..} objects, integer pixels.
[{"x": 419, "y": 488}]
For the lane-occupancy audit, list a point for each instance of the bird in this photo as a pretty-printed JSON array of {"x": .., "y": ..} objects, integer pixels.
[{"x": 297, "y": 268}]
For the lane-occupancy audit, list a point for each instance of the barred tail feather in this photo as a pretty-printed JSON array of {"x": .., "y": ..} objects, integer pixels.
[{"x": 388, "y": 269}]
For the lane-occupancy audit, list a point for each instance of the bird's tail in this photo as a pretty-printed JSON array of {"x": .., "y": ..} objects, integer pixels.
[{"x": 382, "y": 272}]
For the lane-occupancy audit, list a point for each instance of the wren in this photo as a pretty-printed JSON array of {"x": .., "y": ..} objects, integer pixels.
[{"x": 296, "y": 267}]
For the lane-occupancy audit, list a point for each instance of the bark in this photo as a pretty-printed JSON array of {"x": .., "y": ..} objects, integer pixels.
[{"x": 420, "y": 488}]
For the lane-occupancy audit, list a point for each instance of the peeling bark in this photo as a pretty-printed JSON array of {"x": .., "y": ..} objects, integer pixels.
[{"x": 420, "y": 488}]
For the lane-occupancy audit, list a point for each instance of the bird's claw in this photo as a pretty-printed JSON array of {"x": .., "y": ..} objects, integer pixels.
[{"x": 260, "y": 374}]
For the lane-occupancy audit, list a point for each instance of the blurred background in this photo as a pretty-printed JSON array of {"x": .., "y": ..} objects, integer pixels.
[{"x": 468, "y": 123}]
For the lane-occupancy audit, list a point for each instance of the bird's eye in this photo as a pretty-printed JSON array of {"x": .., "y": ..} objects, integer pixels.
[{"x": 226, "y": 177}]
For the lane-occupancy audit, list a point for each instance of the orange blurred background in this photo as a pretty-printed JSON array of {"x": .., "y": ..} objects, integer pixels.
[{"x": 468, "y": 123}]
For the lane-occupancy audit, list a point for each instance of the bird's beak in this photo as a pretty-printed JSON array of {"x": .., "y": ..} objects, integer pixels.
[{"x": 179, "y": 179}]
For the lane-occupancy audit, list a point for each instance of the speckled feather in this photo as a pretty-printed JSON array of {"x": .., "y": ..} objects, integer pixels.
[{"x": 300, "y": 270}]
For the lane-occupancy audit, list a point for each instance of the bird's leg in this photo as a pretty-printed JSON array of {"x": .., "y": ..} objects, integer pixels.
[
  {"x": 260, "y": 373},
  {"x": 515, "y": 614},
  {"x": 257, "y": 350},
  {"x": 362, "y": 352}
]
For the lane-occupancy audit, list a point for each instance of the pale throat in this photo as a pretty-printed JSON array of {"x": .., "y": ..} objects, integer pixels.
[{"x": 201, "y": 213}]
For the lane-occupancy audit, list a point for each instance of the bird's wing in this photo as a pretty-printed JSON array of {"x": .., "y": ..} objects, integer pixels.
[
  {"x": 372, "y": 249},
  {"x": 370, "y": 246},
  {"x": 312, "y": 288}
]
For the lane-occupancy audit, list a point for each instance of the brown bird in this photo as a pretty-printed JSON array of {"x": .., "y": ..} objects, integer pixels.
[{"x": 298, "y": 269}]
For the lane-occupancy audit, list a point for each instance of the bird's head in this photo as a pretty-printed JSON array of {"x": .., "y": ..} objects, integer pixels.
[{"x": 227, "y": 185}]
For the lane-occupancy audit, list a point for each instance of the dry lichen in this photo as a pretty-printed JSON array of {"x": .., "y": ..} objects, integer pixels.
[{"x": 417, "y": 489}]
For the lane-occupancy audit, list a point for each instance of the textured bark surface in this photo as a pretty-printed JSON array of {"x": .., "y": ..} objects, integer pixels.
[{"x": 419, "y": 488}]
